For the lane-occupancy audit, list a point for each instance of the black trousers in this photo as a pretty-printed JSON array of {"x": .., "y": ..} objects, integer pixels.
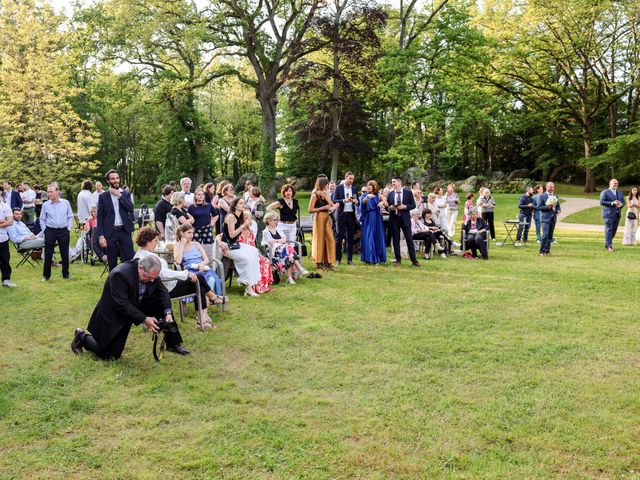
[
  {"x": 119, "y": 244},
  {"x": 488, "y": 217},
  {"x": 51, "y": 237},
  {"x": 397, "y": 225},
  {"x": 429, "y": 240},
  {"x": 346, "y": 230},
  {"x": 477, "y": 242},
  {"x": 113, "y": 351},
  {"x": 5, "y": 258},
  {"x": 187, "y": 287}
]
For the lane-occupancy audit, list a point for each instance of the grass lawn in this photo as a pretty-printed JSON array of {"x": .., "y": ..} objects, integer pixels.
[{"x": 519, "y": 367}]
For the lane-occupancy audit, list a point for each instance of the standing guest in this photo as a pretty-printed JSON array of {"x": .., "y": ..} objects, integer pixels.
[
  {"x": 179, "y": 210},
  {"x": 288, "y": 206},
  {"x": 421, "y": 231},
  {"x": 162, "y": 208},
  {"x": 478, "y": 206},
  {"x": 204, "y": 217},
  {"x": 431, "y": 205},
  {"x": 185, "y": 185},
  {"x": 99, "y": 191},
  {"x": 612, "y": 202},
  {"x": 631, "y": 221},
  {"x": 441, "y": 204},
  {"x": 258, "y": 209},
  {"x": 248, "y": 185},
  {"x": 527, "y": 207},
  {"x": 40, "y": 199},
  {"x": 332, "y": 189},
  {"x": 266, "y": 272},
  {"x": 224, "y": 202},
  {"x": 323, "y": 245},
  {"x": 12, "y": 197},
  {"x": 400, "y": 202},
  {"x": 476, "y": 231},
  {"x": 537, "y": 191},
  {"x": 6, "y": 220},
  {"x": 453, "y": 201},
  {"x": 178, "y": 283},
  {"x": 85, "y": 202},
  {"x": 487, "y": 203},
  {"x": 468, "y": 206},
  {"x": 549, "y": 207},
  {"x": 126, "y": 189},
  {"x": 28, "y": 203},
  {"x": 373, "y": 248},
  {"x": 346, "y": 199},
  {"x": 133, "y": 294},
  {"x": 246, "y": 258},
  {"x": 210, "y": 193},
  {"x": 115, "y": 221},
  {"x": 56, "y": 221},
  {"x": 283, "y": 255}
]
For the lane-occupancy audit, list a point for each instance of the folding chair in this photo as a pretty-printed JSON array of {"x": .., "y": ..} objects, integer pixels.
[
  {"x": 197, "y": 301},
  {"x": 25, "y": 253},
  {"x": 463, "y": 247}
]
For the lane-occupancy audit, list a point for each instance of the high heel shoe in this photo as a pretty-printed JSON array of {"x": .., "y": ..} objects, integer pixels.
[{"x": 248, "y": 292}]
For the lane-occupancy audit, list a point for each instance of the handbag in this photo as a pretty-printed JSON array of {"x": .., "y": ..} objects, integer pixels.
[
  {"x": 233, "y": 245},
  {"x": 631, "y": 216}
]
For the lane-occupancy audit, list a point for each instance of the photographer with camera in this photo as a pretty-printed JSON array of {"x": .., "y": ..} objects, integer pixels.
[{"x": 133, "y": 294}]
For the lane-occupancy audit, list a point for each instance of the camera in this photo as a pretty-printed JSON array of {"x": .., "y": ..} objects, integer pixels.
[{"x": 163, "y": 327}]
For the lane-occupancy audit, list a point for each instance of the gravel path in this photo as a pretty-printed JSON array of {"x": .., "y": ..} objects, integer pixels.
[{"x": 573, "y": 205}]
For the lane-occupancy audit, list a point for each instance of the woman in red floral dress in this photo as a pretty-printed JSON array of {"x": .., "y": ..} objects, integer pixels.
[{"x": 266, "y": 273}]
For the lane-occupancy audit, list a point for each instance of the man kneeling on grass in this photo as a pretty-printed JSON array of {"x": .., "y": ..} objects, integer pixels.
[{"x": 133, "y": 294}]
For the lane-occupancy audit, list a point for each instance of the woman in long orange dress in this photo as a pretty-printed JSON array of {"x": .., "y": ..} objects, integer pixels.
[{"x": 323, "y": 246}]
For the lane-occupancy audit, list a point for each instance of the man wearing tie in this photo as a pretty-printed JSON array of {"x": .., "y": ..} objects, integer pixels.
[
  {"x": 401, "y": 203},
  {"x": 612, "y": 202},
  {"x": 56, "y": 221},
  {"x": 115, "y": 221},
  {"x": 549, "y": 207},
  {"x": 346, "y": 196}
]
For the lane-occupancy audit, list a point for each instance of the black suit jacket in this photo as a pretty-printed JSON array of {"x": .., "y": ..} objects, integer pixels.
[
  {"x": 119, "y": 306},
  {"x": 403, "y": 216},
  {"x": 107, "y": 215}
]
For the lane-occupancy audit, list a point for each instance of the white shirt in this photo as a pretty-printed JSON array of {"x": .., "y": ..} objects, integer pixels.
[
  {"x": 85, "y": 202},
  {"x": 95, "y": 196},
  {"x": 188, "y": 199},
  {"x": 117, "y": 222},
  {"x": 348, "y": 207},
  {"x": 5, "y": 212},
  {"x": 28, "y": 197}
]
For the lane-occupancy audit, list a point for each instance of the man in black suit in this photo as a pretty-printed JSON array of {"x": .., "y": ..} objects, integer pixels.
[
  {"x": 133, "y": 294},
  {"x": 115, "y": 221},
  {"x": 401, "y": 202},
  {"x": 346, "y": 196}
]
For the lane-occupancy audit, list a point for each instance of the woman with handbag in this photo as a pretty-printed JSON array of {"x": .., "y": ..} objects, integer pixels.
[
  {"x": 245, "y": 257},
  {"x": 631, "y": 221}
]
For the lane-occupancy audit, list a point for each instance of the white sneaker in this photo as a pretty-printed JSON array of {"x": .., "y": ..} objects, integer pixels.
[
  {"x": 537, "y": 241},
  {"x": 517, "y": 244},
  {"x": 554, "y": 241},
  {"x": 291, "y": 281},
  {"x": 456, "y": 244},
  {"x": 9, "y": 284},
  {"x": 443, "y": 255},
  {"x": 304, "y": 271}
]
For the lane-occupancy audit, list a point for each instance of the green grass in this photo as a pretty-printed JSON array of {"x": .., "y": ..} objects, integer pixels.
[{"x": 519, "y": 367}]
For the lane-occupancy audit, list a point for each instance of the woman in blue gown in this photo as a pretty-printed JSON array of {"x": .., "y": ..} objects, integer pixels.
[{"x": 372, "y": 244}]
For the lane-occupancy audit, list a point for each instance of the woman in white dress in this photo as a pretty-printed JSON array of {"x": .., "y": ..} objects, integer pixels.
[
  {"x": 631, "y": 224},
  {"x": 453, "y": 201},
  {"x": 245, "y": 257},
  {"x": 441, "y": 205}
]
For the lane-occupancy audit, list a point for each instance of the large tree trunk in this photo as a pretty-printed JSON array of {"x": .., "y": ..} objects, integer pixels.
[
  {"x": 590, "y": 181},
  {"x": 268, "y": 145}
]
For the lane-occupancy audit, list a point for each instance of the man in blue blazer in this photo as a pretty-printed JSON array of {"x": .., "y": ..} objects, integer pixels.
[
  {"x": 548, "y": 218},
  {"x": 12, "y": 197},
  {"x": 612, "y": 202},
  {"x": 115, "y": 221},
  {"x": 401, "y": 202},
  {"x": 346, "y": 196}
]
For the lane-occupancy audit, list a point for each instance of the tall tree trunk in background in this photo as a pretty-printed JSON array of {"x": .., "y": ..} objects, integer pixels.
[
  {"x": 590, "y": 180},
  {"x": 268, "y": 143}
]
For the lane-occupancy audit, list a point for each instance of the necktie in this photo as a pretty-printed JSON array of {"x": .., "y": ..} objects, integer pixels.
[{"x": 397, "y": 198}]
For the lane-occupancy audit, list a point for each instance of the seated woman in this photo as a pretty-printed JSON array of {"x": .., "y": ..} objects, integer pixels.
[
  {"x": 437, "y": 231},
  {"x": 421, "y": 232},
  {"x": 283, "y": 255},
  {"x": 476, "y": 232},
  {"x": 177, "y": 283},
  {"x": 245, "y": 257},
  {"x": 248, "y": 236}
]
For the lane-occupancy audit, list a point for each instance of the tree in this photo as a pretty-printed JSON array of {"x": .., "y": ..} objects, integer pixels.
[{"x": 42, "y": 138}]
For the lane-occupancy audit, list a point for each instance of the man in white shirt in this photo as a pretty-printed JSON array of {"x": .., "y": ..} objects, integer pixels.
[
  {"x": 185, "y": 184},
  {"x": 85, "y": 202},
  {"x": 6, "y": 220},
  {"x": 28, "y": 203},
  {"x": 346, "y": 196},
  {"x": 96, "y": 194}
]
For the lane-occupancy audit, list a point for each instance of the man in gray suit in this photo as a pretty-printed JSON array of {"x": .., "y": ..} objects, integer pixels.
[{"x": 612, "y": 202}]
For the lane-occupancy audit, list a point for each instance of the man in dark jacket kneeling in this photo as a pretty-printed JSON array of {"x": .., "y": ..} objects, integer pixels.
[{"x": 133, "y": 294}]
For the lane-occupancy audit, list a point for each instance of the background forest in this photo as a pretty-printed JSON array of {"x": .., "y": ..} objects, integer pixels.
[{"x": 446, "y": 88}]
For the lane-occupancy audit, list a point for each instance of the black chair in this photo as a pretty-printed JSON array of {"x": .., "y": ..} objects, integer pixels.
[
  {"x": 26, "y": 255},
  {"x": 463, "y": 247}
]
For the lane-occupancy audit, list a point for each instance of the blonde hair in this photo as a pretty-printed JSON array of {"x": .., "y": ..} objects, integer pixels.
[
  {"x": 198, "y": 190},
  {"x": 176, "y": 198},
  {"x": 271, "y": 215}
]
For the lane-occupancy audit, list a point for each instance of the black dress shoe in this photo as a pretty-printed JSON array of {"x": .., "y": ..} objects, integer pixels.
[
  {"x": 76, "y": 344},
  {"x": 416, "y": 264},
  {"x": 179, "y": 349},
  {"x": 350, "y": 262}
]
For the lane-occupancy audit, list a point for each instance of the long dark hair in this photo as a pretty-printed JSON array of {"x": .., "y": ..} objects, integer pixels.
[
  {"x": 321, "y": 183},
  {"x": 631, "y": 193}
]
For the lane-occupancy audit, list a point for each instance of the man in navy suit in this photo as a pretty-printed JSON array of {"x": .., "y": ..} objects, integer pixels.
[
  {"x": 612, "y": 202},
  {"x": 401, "y": 203},
  {"x": 548, "y": 218},
  {"x": 346, "y": 196},
  {"x": 115, "y": 221},
  {"x": 12, "y": 197}
]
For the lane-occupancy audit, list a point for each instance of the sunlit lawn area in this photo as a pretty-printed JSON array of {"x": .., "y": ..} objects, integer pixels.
[{"x": 519, "y": 367}]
